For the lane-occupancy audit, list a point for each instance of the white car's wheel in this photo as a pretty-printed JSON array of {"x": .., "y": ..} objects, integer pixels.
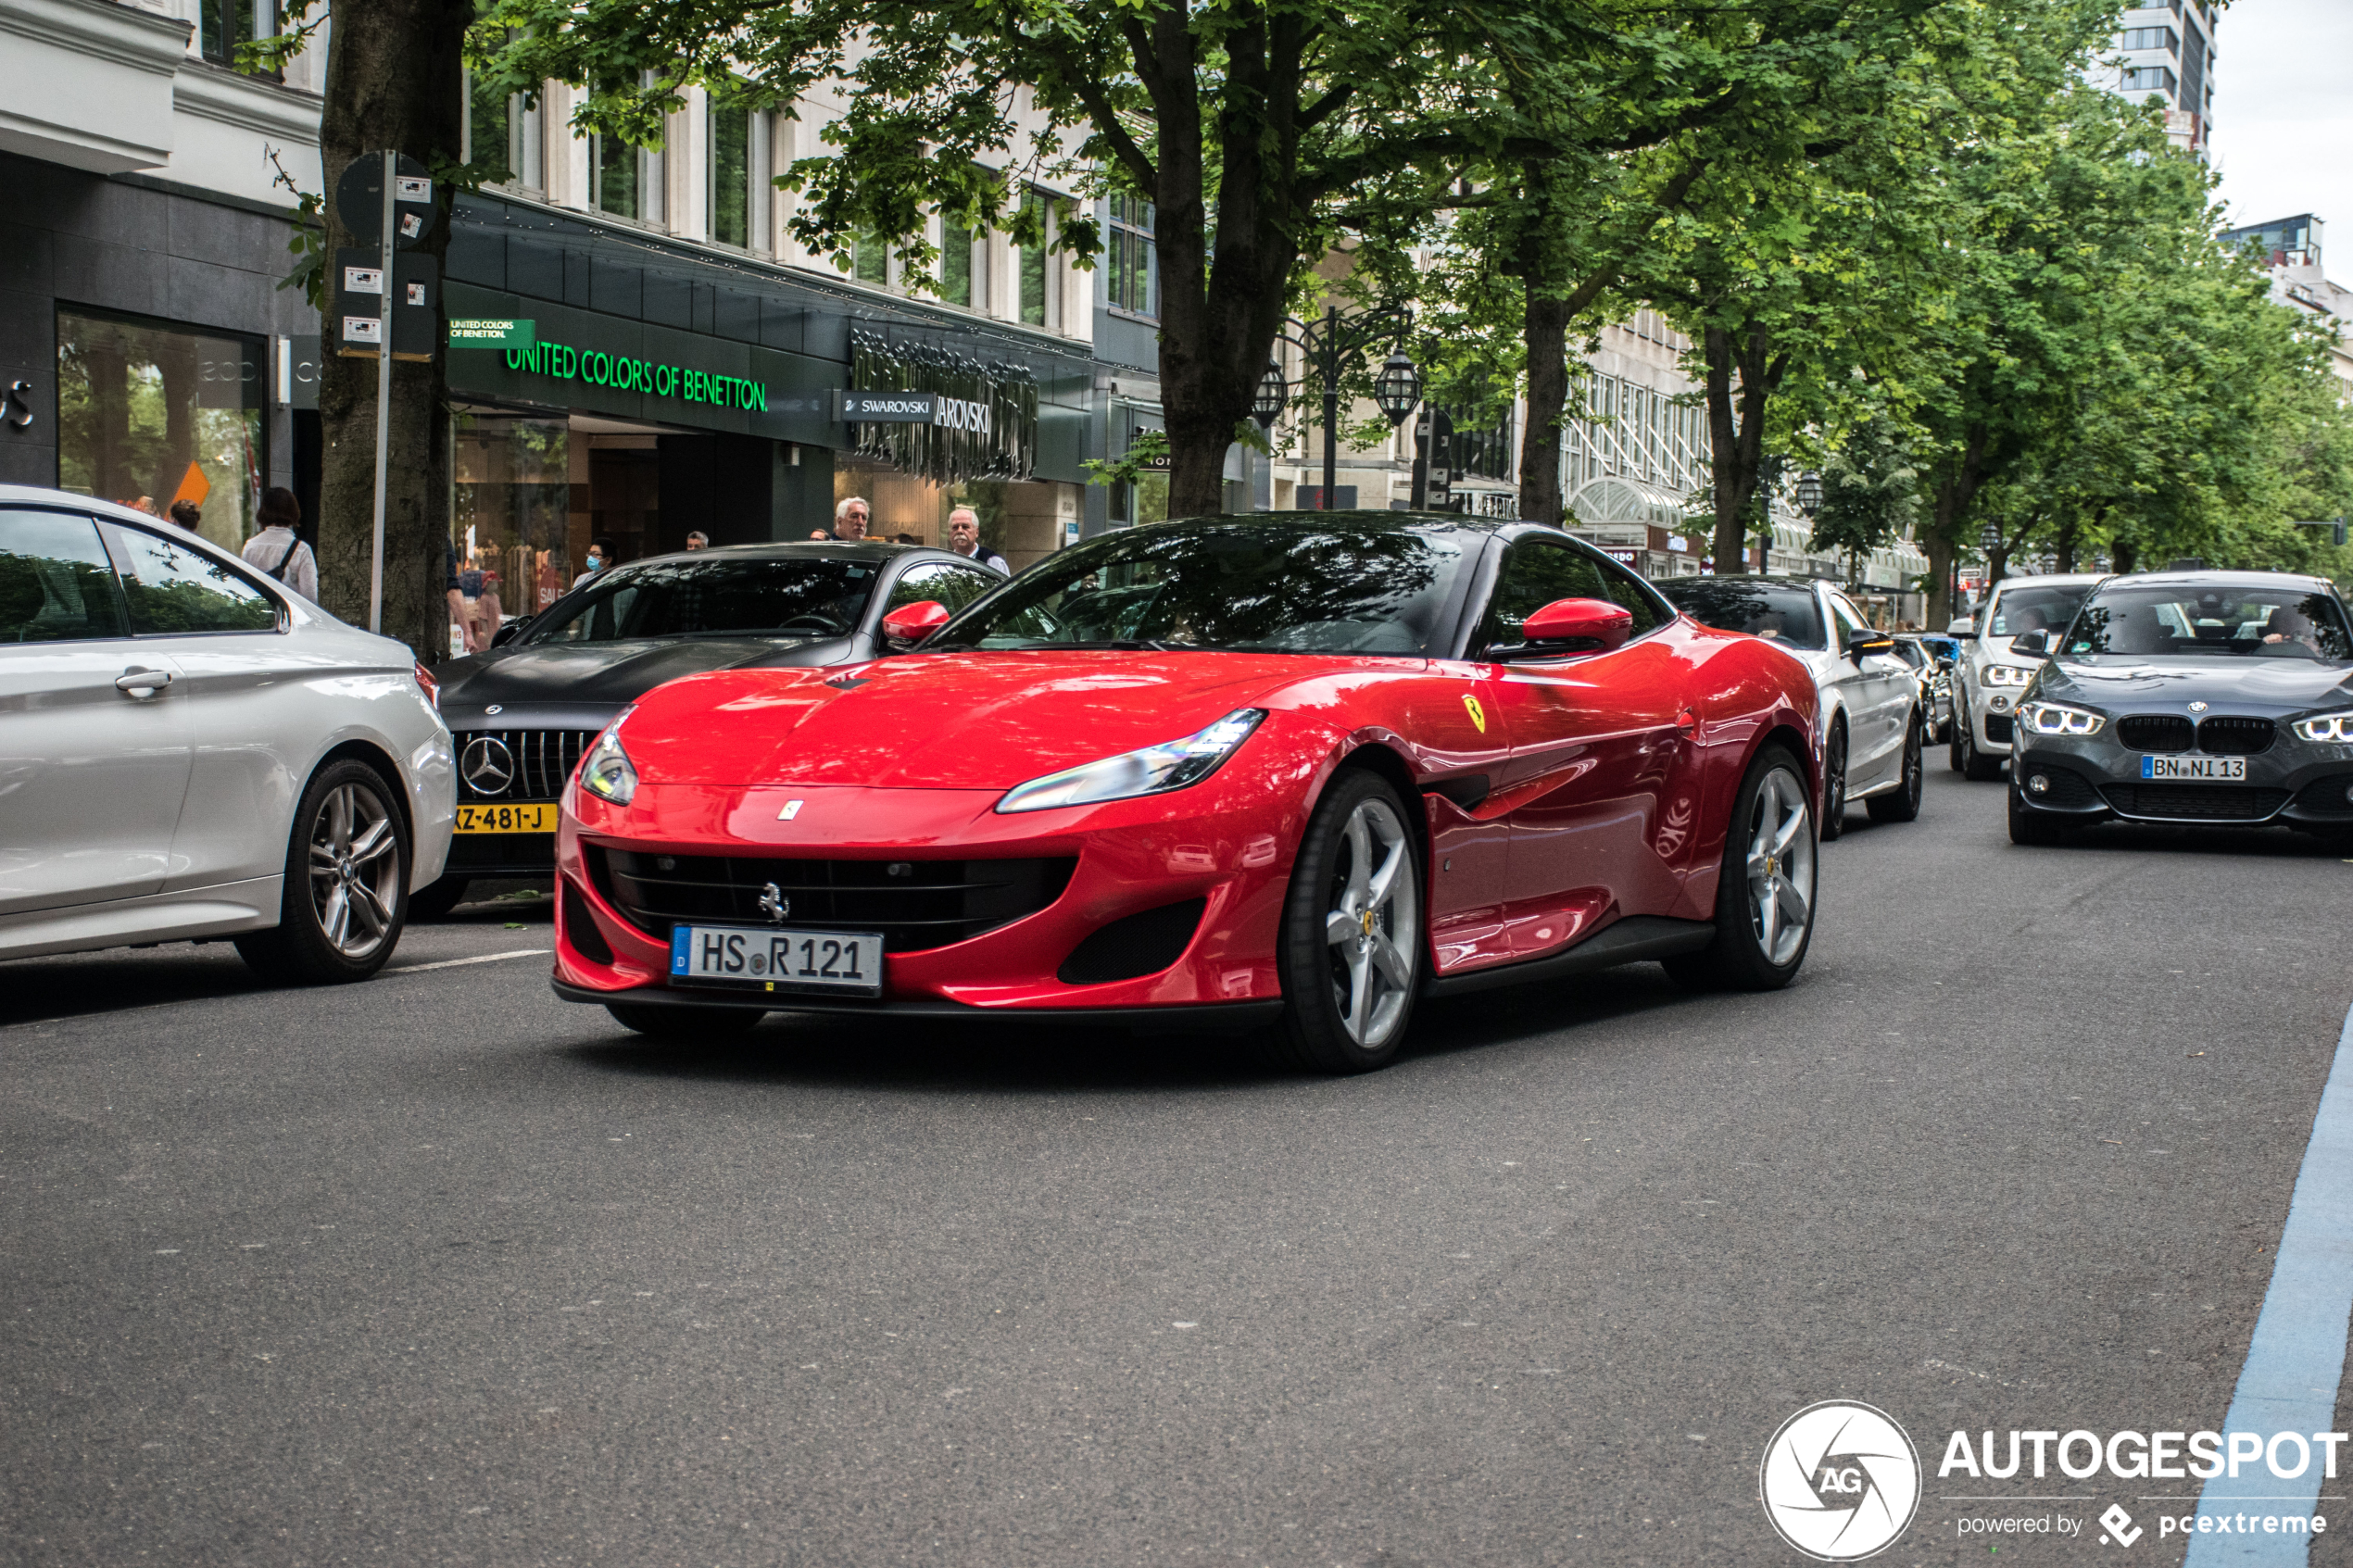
[{"x": 346, "y": 894}]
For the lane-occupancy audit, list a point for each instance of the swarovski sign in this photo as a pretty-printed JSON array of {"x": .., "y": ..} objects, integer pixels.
[
  {"x": 942, "y": 415},
  {"x": 913, "y": 408}
]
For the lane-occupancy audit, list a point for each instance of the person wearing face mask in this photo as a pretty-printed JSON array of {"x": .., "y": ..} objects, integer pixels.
[{"x": 600, "y": 558}]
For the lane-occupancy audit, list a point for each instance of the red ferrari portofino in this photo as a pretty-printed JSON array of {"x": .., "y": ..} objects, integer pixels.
[{"x": 1304, "y": 767}]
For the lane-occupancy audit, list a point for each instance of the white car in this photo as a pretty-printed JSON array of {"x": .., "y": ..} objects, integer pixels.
[
  {"x": 1873, "y": 732},
  {"x": 188, "y": 750},
  {"x": 1987, "y": 681}
]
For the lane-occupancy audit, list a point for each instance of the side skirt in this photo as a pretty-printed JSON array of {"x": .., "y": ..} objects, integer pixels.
[{"x": 1631, "y": 940}]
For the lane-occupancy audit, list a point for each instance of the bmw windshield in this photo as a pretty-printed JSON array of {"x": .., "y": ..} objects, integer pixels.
[
  {"x": 714, "y": 596},
  {"x": 1332, "y": 585},
  {"x": 2202, "y": 620}
]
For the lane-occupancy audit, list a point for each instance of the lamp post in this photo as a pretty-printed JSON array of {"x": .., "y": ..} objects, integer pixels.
[
  {"x": 1809, "y": 493},
  {"x": 1329, "y": 346},
  {"x": 1274, "y": 392}
]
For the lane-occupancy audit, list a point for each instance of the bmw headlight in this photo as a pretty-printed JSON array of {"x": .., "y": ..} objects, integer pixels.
[
  {"x": 2007, "y": 675},
  {"x": 2328, "y": 729},
  {"x": 2058, "y": 718},
  {"x": 607, "y": 772},
  {"x": 1155, "y": 770}
]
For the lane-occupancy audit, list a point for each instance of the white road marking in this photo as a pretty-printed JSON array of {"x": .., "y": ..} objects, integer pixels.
[{"x": 453, "y": 963}]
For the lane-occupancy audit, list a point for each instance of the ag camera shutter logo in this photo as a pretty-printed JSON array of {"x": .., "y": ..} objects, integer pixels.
[{"x": 1840, "y": 1481}]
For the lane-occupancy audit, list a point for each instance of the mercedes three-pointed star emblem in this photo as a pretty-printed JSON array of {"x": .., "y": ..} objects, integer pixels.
[{"x": 488, "y": 765}]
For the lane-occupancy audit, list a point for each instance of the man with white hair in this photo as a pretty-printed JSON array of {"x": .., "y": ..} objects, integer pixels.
[
  {"x": 963, "y": 538},
  {"x": 849, "y": 520}
]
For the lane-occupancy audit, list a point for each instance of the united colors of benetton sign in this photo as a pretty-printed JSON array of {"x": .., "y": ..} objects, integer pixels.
[{"x": 625, "y": 372}]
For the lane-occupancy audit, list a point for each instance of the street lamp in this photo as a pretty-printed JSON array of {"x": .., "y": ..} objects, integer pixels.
[
  {"x": 1398, "y": 388},
  {"x": 1329, "y": 346},
  {"x": 1273, "y": 393},
  {"x": 1809, "y": 493}
]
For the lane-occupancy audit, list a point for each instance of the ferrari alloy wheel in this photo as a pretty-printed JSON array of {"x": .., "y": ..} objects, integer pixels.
[
  {"x": 684, "y": 1027},
  {"x": 1902, "y": 804},
  {"x": 1765, "y": 893},
  {"x": 1352, "y": 953},
  {"x": 345, "y": 894},
  {"x": 1834, "y": 785}
]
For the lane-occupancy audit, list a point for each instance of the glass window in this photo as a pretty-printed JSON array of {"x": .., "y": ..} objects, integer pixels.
[
  {"x": 1342, "y": 586},
  {"x": 954, "y": 586},
  {"x": 2195, "y": 621},
  {"x": 2019, "y": 611},
  {"x": 1633, "y": 595},
  {"x": 1535, "y": 574},
  {"x": 155, "y": 413},
  {"x": 1033, "y": 270},
  {"x": 615, "y": 171},
  {"x": 1846, "y": 620},
  {"x": 869, "y": 259},
  {"x": 511, "y": 505},
  {"x": 956, "y": 265},
  {"x": 221, "y": 25},
  {"x": 1783, "y": 612},
  {"x": 734, "y": 597},
  {"x": 1132, "y": 254},
  {"x": 731, "y": 175},
  {"x": 488, "y": 117},
  {"x": 56, "y": 583},
  {"x": 173, "y": 589}
]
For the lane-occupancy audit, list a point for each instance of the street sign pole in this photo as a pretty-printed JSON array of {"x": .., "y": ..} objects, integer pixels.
[{"x": 384, "y": 409}]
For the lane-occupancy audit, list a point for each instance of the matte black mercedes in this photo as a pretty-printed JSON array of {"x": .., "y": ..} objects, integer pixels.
[
  {"x": 522, "y": 713},
  {"x": 2198, "y": 697}
]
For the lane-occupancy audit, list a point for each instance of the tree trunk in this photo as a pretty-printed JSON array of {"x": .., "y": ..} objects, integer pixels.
[
  {"x": 394, "y": 78},
  {"x": 1954, "y": 493},
  {"x": 1545, "y": 329},
  {"x": 2125, "y": 555},
  {"x": 1939, "y": 585},
  {"x": 1739, "y": 384}
]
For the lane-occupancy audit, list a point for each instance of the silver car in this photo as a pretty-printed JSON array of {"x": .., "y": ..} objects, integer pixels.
[
  {"x": 188, "y": 749},
  {"x": 1987, "y": 681}
]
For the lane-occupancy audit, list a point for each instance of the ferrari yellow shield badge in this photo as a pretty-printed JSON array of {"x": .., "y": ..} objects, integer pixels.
[{"x": 1478, "y": 714}]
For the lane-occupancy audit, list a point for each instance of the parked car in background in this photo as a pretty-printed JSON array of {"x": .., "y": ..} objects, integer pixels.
[
  {"x": 1987, "y": 682},
  {"x": 1936, "y": 684},
  {"x": 2215, "y": 697},
  {"x": 1301, "y": 768},
  {"x": 1873, "y": 719},
  {"x": 188, "y": 750},
  {"x": 522, "y": 713}
]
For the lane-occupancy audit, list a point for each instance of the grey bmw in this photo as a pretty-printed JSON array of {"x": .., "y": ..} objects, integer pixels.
[{"x": 2200, "y": 697}]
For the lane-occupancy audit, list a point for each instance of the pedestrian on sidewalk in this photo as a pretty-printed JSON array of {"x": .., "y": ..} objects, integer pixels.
[
  {"x": 277, "y": 549},
  {"x": 963, "y": 538}
]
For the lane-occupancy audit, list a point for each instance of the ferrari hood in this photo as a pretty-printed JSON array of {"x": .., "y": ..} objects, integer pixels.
[
  {"x": 972, "y": 720},
  {"x": 599, "y": 672},
  {"x": 2272, "y": 685}
]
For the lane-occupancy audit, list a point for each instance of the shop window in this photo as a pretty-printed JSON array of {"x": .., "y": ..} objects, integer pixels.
[
  {"x": 509, "y": 514},
  {"x": 1132, "y": 254},
  {"x": 148, "y": 411},
  {"x": 730, "y": 165}
]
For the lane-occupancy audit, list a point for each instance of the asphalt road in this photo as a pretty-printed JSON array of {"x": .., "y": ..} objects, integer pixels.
[{"x": 439, "y": 1270}]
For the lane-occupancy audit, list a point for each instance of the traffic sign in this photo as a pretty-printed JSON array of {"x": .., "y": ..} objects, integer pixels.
[{"x": 359, "y": 198}]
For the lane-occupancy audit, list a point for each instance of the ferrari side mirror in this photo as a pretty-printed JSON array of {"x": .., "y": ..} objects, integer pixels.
[
  {"x": 1569, "y": 620},
  {"x": 909, "y": 625}
]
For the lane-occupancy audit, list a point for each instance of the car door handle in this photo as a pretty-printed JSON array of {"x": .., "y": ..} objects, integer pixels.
[{"x": 139, "y": 681}]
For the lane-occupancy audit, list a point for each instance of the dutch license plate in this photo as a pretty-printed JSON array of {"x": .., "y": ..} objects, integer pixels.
[
  {"x": 849, "y": 963},
  {"x": 2220, "y": 768},
  {"x": 539, "y": 818}
]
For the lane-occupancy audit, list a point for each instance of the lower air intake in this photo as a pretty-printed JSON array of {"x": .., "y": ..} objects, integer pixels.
[{"x": 1134, "y": 947}]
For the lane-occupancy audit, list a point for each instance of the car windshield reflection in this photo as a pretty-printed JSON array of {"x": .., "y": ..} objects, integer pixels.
[
  {"x": 2177, "y": 620},
  {"x": 798, "y": 597}
]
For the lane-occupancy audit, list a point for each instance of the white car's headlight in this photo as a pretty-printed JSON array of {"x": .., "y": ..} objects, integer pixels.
[
  {"x": 2007, "y": 675},
  {"x": 2057, "y": 719},
  {"x": 607, "y": 772},
  {"x": 1155, "y": 770},
  {"x": 2328, "y": 729}
]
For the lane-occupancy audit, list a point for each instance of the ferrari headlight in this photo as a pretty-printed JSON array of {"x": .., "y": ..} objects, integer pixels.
[
  {"x": 2057, "y": 719},
  {"x": 2329, "y": 729},
  {"x": 607, "y": 772},
  {"x": 2007, "y": 675},
  {"x": 1155, "y": 770}
]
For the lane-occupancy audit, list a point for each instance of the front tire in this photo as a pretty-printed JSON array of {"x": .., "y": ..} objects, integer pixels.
[
  {"x": 684, "y": 1025},
  {"x": 1902, "y": 804},
  {"x": 1834, "y": 785},
  {"x": 435, "y": 899},
  {"x": 345, "y": 897},
  {"x": 2030, "y": 826},
  {"x": 1350, "y": 954},
  {"x": 1765, "y": 893},
  {"x": 1974, "y": 765}
]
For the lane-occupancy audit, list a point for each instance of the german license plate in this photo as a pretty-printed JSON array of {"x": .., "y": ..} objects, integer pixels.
[
  {"x": 847, "y": 962},
  {"x": 539, "y": 818},
  {"x": 2222, "y": 768}
]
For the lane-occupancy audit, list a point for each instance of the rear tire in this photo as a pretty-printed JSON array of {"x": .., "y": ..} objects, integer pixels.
[
  {"x": 1351, "y": 949},
  {"x": 684, "y": 1025},
  {"x": 1768, "y": 865},
  {"x": 345, "y": 897},
  {"x": 2030, "y": 826},
  {"x": 435, "y": 899},
  {"x": 1902, "y": 804},
  {"x": 1834, "y": 785}
]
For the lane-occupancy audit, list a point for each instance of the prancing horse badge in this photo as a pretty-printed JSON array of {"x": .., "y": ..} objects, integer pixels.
[{"x": 792, "y": 809}]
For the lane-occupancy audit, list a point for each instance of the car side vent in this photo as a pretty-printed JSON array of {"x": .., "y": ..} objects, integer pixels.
[
  {"x": 1134, "y": 947},
  {"x": 580, "y": 927}
]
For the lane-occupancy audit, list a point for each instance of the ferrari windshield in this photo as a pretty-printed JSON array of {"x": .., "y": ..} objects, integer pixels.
[
  {"x": 2201, "y": 620},
  {"x": 1782, "y": 612},
  {"x": 1332, "y": 585},
  {"x": 714, "y": 596}
]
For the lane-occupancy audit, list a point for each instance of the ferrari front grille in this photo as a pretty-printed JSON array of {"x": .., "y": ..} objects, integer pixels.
[{"x": 915, "y": 904}]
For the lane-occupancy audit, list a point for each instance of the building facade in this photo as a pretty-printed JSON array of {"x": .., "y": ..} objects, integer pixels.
[
  {"x": 2291, "y": 249},
  {"x": 2166, "y": 49}
]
